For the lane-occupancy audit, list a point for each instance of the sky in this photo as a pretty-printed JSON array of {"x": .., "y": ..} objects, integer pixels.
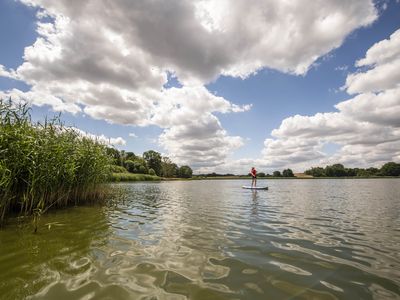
[{"x": 219, "y": 85}]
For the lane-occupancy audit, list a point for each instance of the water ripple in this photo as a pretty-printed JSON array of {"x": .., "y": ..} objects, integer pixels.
[{"x": 210, "y": 239}]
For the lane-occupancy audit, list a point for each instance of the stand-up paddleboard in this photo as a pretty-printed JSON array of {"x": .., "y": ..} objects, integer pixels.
[{"x": 255, "y": 187}]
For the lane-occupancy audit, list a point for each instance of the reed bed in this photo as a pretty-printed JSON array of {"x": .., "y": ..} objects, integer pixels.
[{"x": 45, "y": 165}]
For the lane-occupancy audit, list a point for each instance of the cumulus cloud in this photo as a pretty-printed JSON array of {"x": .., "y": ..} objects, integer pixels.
[
  {"x": 118, "y": 141},
  {"x": 110, "y": 59},
  {"x": 367, "y": 126},
  {"x": 202, "y": 143},
  {"x": 384, "y": 58},
  {"x": 7, "y": 73}
]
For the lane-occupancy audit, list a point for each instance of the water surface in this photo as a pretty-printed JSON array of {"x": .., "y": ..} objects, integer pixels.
[{"x": 302, "y": 239}]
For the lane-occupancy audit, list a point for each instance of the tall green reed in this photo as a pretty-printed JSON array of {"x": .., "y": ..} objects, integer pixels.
[{"x": 45, "y": 165}]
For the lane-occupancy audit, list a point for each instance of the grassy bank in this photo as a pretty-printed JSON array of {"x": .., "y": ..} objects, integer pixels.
[
  {"x": 119, "y": 177},
  {"x": 45, "y": 165}
]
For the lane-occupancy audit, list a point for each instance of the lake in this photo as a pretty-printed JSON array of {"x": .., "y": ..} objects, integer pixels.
[{"x": 302, "y": 239}]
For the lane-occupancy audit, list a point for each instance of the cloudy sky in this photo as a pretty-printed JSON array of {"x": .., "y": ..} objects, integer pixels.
[{"x": 219, "y": 85}]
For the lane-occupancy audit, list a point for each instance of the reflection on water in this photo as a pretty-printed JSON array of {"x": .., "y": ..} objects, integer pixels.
[{"x": 311, "y": 239}]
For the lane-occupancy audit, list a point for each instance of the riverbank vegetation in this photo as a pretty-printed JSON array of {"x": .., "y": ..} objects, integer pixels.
[
  {"x": 44, "y": 165},
  {"x": 125, "y": 176},
  {"x": 127, "y": 166},
  {"x": 286, "y": 173},
  {"x": 338, "y": 170},
  {"x": 389, "y": 169}
]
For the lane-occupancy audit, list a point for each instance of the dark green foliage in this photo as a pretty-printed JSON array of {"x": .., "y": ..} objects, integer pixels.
[
  {"x": 276, "y": 174},
  {"x": 287, "y": 173},
  {"x": 130, "y": 166},
  {"x": 185, "y": 172},
  {"x": 118, "y": 169},
  {"x": 153, "y": 160},
  {"x": 130, "y": 156},
  {"x": 316, "y": 172},
  {"x": 338, "y": 170},
  {"x": 152, "y": 172},
  {"x": 213, "y": 174},
  {"x": 116, "y": 156},
  {"x": 390, "y": 169},
  {"x": 46, "y": 165},
  {"x": 162, "y": 166},
  {"x": 168, "y": 168},
  {"x": 142, "y": 169},
  {"x": 351, "y": 172},
  {"x": 140, "y": 166},
  {"x": 261, "y": 174}
]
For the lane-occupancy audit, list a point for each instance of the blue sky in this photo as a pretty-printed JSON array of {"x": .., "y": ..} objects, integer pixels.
[{"x": 276, "y": 91}]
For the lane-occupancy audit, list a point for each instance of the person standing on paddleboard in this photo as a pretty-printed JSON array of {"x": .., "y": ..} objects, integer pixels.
[{"x": 253, "y": 173}]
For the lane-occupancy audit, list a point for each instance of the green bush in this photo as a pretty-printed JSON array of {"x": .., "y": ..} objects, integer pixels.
[
  {"x": 185, "y": 172},
  {"x": 152, "y": 172},
  {"x": 118, "y": 169},
  {"x": 130, "y": 165}
]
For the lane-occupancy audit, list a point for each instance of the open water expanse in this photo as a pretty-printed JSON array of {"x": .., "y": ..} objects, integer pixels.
[{"x": 301, "y": 239}]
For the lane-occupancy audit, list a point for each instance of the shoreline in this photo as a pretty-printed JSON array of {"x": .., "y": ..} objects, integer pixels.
[{"x": 145, "y": 177}]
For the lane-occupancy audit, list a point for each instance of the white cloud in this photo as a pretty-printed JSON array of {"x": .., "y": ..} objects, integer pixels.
[
  {"x": 384, "y": 58},
  {"x": 118, "y": 141},
  {"x": 201, "y": 144},
  {"x": 367, "y": 126},
  {"x": 110, "y": 59},
  {"x": 40, "y": 98},
  {"x": 7, "y": 73},
  {"x": 132, "y": 135}
]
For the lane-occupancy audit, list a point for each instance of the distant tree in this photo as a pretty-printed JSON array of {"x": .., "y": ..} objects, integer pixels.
[
  {"x": 336, "y": 170},
  {"x": 351, "y": 172},
  {"x": 168, "y": 168},
  {"x": 372, "y": 171},
  {"x": 390, "y": 169},
  {"x": 362, "y": 173},
  {"x": 116, "y": 156},
  {"x": 139, "y": 166},
  {"x": 153, "y": 160},
  {"x": 142, "y": 169},
  {"x": 118, "y": 169},
  {"x": 152, "y": 172},
  {"x": 316, "y": 172},
  {"x": 185, "y": 172},
  {"x": 130, "y": 165},
  {"x": 130, "y": 156},
  {"x": 277, "y": 174},
  {"x": 287, "y": 173},
  {"x": 261, "y": 174}
]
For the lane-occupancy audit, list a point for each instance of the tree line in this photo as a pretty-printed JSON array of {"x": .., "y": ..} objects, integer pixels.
[
  {"x": 284, "y": 173},
  {"x": 151, "y": 162},
  {"x": 338, "y": 170}
]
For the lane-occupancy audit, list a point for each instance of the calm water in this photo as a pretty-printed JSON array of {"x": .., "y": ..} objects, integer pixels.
[{"x": 302, "y": 239}]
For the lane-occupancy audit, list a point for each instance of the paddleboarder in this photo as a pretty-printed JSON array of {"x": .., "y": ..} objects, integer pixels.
[{"x": 253, "y": 173}]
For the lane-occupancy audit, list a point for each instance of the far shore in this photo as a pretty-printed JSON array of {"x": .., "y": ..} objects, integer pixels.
[{"x": 126, "y": 177}]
